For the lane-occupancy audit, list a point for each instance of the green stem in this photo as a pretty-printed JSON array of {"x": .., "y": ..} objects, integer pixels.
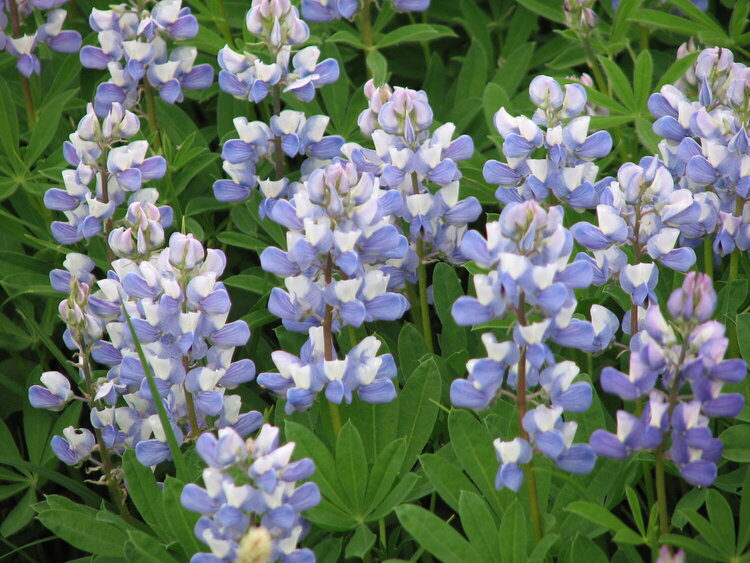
[
  {"x": 708, "y": 257},
  {"x": 115, "y": 492},
  {"x": 661, "y": 493},
  {"x": 28, "y": 99},
  {"x": 521, "y": 407},
  {"x": 422, "y": 274},
  {"x": 734, "y": 270},
  {"x": 153, "y": 122},
  {"x": 365, "y": 26},
  {"x": 644, "y": 37},
  {"x": 335, "y": 418}
]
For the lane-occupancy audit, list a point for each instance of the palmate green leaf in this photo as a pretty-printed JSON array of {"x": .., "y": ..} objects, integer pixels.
[
  {"x": 721, "y": 518},
  {"x": 743, "y": 538},
  {"x": 619, "y": 82},
  {"x": 448, "y": 480},
  {"x": 435, "y": 536},
  {"x": 347, "y": 37},
  {"x": 309, "y": 445},
  {"x": 378, "y": 66},
  {"x": 646, "y": 135},
  {"x": 20, "y": 515},
  {"x": 180, "y": 521},
  {"x": 677, "y": 69},
  {"x": 414, "y": 33},
  {"x": 142, "y": 547},
  {"x": 739, "y": 19},
  {"x": 635, "y": 509},
  {"x": 145, "y": 493},
  {"x": 446, "y": 289},
  {"x": 351, "y": 466},
  {"x": 542, "y": 547},
  {"x": 620, "y": 24},
  {"x": 411, "y": 347},
  {"x": 46, "y": 127},
  {"x": 477, "y": 22},
  {"x": 254, "y": 284},
  {"x": 417, "y": 409},
  {"x": 403, "y": 489},
  {"x": 384, "y": 472},
  {"x": 472, "y": 444},
  {"x": 360, "y": 543},
  {"x": 663, "y": 20},
  {"x": 480, "y": 526},
  {"x": 77, "y": 525},
  {"x": 691, "y": 546},
  {"x": 731, "y": 297},
  {"x": 642, "y": 76},
  {"x": 601, "y": 516},
  {"x": 548, "y": 9},
  {"x": 586, "y": 550},
  {"x": 243, "y": 241},
  {"x": 512, "y": 534},
  {"x": 743, "y": 335},
  {"x": 473, "y": 75},
  {"x": 736, "y": 445},
  {"x": 701, "y": 18}
]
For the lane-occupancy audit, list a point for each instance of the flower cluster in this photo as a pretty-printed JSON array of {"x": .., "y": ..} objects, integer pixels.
[
  {"x": 278, "y": 25},
  {"x": 408, "y": 158},
  {"x": 567, "y": 170},
  {"x": 527, "y": 252},
  {"x": 330, "y": 10},
  {"x": 298, "y": 136},
  {"x": 704, "y": 120},
  {"x": 667, "y": 357},
  {"x": 133, "y": 46},
  {"x": 178, "y": 311},
  {"x": 301, "y": 378},
  {"x": 644, "y": 210},
  {"x": 99, "y": 152},
  {"x": 51, "y": 32},
  {"x": 246, "y": 480}
]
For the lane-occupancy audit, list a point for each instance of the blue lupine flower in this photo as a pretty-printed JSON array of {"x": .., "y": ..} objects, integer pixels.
[
  {"x": 686, "y": 350},
  {"x": 567, "y": 171},
  {"x": 510, "y": 455},
  {"x": 300, "y": 378},
  {"x": 267, "y": 490},
  {"x": 53, "y": 394},
  {"x": 330, "y": 10},
  {"x": 74, "y": 446}
]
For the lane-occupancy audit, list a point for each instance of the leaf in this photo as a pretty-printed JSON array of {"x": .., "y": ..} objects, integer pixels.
[
  {"x": 691, "y": 545},
  {"x": 646, "y": 135},
  {"x": 730, "y": 300},
  {"x": 477, "y": 22},
  {"x": 620, "y": 24},
  {"x": 77, "y": 525},
  {"x": 378, "y": 66},
  {"x": 618, "y": 81},
  {"x": 417, "y": 410},
  {"x": 736, "y": 446},
  {"x": 448, "y": 480},
  {"x": 479, "y": 525},
  {"x": 143, "y": 547},
  {"x": 361, "y": 542},
  {"x": 744, "y": 515},
  {"x": 242, "y": 241},
  {"x": 446, "y": 289},
  {"x": 677, "y": 69},
  {"x": 635, "y": 509},
  {"x": 603, "y": 517},
  {"x": 384, "y": 472},
  {"x": 435, "y": 536},
  {"x": 346, "y": 36},
  {"x": 307, "y": 444},
  {"x": 662, "y": 20},
  {"x": 743, "y": 335},
  {"x": 546, "y": 8},
  {"x": 539, "y": 553},
  {"x": 351, "y": 465},
  {"x": 411, "y": 347},
  {"x": 397, "y": 495},
  {"x": 642, "y": 75},
  {"x": 472, "y": 77},
  {"x": 414, "y": 33},
  {"x": 9, "y": 125},
  {"x": 473, "y": 446},
  {"x": 144, "y": 492},
  {"x": 586, "y": 550},
  {"x": 46, "y": 127},
  {"x": 700, "y": 17},
  {"x": 254, "y": 284},
  {"x": 721, "y": 518},
  {"x": 180, "y": 521},
  {"x": 512, "y": 534},
  {"x": 20, "y": 515}
]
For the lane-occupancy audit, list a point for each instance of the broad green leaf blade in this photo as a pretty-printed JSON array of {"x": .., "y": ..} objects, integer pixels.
[
  {"x": 418, "y": 410},
  {"x": 351, "y": 464},
  {"x": 603, "y": 517},
  {"x": 512, "y": 534},
  {"x": 435, "y": 535},
  {"x": 480, "y": 525}
]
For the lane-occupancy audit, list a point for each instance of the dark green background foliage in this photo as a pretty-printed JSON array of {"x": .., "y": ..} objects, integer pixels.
[{"x": 413, "y": 479}]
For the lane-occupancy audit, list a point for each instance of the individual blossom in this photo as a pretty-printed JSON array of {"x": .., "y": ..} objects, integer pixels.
[
  {"x": 252, "y": 503},
  {"x": 330, "y": 10},
  {"x": 53, "y": 394},
  {"x": 51, "y": 32}
]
